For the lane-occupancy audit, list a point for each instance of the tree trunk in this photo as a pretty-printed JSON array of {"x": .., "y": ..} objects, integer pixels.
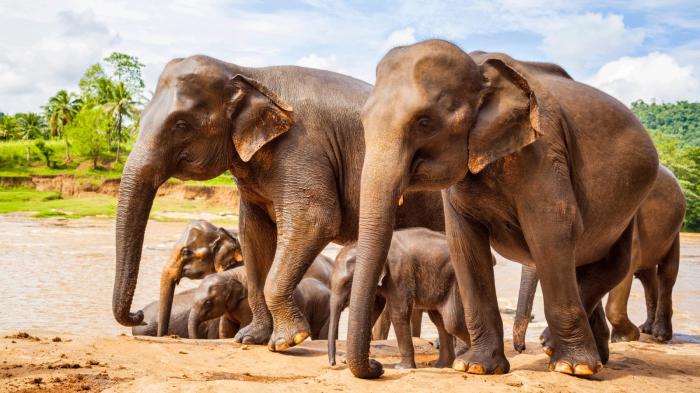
[
  {"x": 65, "y": 138},
  {"x": 28, "y": 157},
  {"x": 119, "y": 134}
]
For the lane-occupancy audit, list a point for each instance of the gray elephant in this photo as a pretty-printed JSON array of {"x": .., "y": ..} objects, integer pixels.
[
  {"x": 655, "y": 260},
  {"x": 547, "y": 171},
  {"x": 202, "y": 249},
  {"x": 417, "y": 275},
  {"x": 293, "y": 140},
  {"x": 224, "y": 296},
  {"x": 181, "y": 306}
]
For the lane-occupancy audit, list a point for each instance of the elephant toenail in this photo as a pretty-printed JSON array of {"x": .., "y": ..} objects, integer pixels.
[
  {"x": 598, "y": 367},
  {"x": 300, "y": 337},
  {"x": 459, "y": 365},
  {"x": 582, "y": 369},
  {"x": 563, "y": 367},
  {"x": 476, "y": 368},
  {"x": 547, "y": 350}
]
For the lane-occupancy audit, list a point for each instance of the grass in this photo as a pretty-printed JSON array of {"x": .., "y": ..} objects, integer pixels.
[{"x": 44, "y": 204}]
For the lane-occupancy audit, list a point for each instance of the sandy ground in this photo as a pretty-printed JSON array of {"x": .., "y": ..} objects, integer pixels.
[{"x": 129, "y": 364}]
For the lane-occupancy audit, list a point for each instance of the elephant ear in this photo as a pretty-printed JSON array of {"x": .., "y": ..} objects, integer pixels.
[
  {"x": 226, "y": 250},
  {"x": 508, "y": 118},
  {"x": 258, "y": 116}
]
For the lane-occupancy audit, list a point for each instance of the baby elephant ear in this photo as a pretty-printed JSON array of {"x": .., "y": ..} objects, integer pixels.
[
  {"x": 508, "y": 118},
  {"x": 258, "y": 116}
]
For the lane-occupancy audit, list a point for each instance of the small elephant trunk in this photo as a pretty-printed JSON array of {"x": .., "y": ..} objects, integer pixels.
[
  {"x": 336, "y": 309},
  {"x": 193, "y": 322},
  {"x": 526, "y": 296}
]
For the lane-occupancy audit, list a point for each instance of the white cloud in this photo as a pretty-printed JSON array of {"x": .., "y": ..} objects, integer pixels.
[
  {"x": 401, "y": 37},
  {"x": 656, "y": 76},
  {"x": 315, "y": 61},
  {"x": 583, "y": 42}
]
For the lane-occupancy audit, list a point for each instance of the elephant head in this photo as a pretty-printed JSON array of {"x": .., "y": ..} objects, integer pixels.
[
  {"x": 341, "y": 283},
  {"x": 217, "y": 294},
  {"x": 205, "y": 117},
  {"x": 203, "y": 249},
  {"x": 434, "y": 115}
]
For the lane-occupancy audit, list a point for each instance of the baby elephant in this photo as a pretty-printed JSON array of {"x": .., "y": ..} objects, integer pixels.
[
  {"x": 225, "y": 295},
  {"x": 417, "y": 274},
  {"x": 178, "y": 319}
]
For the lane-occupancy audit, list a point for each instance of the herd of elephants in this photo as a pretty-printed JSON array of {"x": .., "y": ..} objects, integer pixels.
[{"x": 450, "y": 155}]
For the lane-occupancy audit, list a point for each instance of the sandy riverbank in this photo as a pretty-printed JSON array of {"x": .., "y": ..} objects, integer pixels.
[{"x": 129, "y": 364}]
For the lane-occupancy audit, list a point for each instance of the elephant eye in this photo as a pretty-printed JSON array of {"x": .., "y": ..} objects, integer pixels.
[
  {"x": 181, "y": 125},
  {"x": 186, "y": 252},
  {"x": 424, "y": 125},
  {"x": 207, "y": 303}
]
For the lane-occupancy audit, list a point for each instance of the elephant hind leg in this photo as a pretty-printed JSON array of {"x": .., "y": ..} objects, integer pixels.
[
  {"x": 447, "y": 350},
  {"x": 651, "y": 294},
  {"x": 601, "y": 333},
  {"x": 416, "y": 322},
  {"x": 382, "y": 321},
  {"x": 616, "y": 309},
  {"x": 667, "y": 274}
]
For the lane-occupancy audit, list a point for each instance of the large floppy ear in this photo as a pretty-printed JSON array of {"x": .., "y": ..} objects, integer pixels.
[
  {"x": 508, "y": 118},
  {"x": 258, "y": 116}
]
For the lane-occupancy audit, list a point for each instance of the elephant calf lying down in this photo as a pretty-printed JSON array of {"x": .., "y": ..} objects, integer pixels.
[
  {"x": 182, "y": 302},
  {"x": 225, "y": 295},
  {"x": 418, "y": 274}
]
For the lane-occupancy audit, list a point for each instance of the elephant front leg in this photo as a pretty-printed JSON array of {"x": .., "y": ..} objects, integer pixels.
[
  {"x": 471, "y": 258},
  {"x": 616, "y": 310},
  {"x": 302, "y": 236},
  {"x": 651, "y": 295},
  {"x": 401, "y": 310},
  {"x": 258, "y": 239}
]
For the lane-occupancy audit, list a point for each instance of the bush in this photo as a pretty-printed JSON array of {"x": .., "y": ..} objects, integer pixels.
[{"x": 88, "y": 131}]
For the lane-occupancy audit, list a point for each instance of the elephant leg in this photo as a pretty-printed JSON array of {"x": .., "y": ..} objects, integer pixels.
[
  {"x": 258, "y": 239},
  {"x": 651, "y": 294},
  {"x": 303, "y": 233},
  {"x": 447, "y": 350},
  {"x": 401, "y": 319},
  {"x": 416, "y": 322},
  {"x": 616, "y": 310},
  {"x": 227, "y": 327},
  {"x": 662, "y": 329},
  {"x": 473, "y": 265},
  {"x": 381, "y": 320},
  {"x": 452, "y": 316},
  {"x": 601, "y": 332}
]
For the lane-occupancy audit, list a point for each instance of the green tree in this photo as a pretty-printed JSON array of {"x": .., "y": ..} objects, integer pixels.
[
  {"x": 120, "y": 105},
  {"x": 127, "y": 70},
  {"x": 60, "y": 111},
  {"x": 8, "y": 127},
  {"x": 88, "y": 130},
  {"x": 31, "y": 126}
]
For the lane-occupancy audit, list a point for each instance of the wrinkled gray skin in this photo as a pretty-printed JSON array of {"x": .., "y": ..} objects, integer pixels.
[
  {"x": 547, "y": 171},
  {"x": 655, "y": 259},
  {"x": 224, "y": 295},
  {"x": 293, "y": 140},
  {"x": 417, "y": 275},
  {"x": 178, "y": 320},
  {"x": 202, "y": 249}
]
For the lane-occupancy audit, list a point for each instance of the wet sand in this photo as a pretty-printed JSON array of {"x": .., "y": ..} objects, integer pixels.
[{"x": 57, "y": 282}]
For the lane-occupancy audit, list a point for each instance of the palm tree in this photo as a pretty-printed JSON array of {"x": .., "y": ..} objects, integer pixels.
[
  {"x": 60, "y": 111},
  {"x": 119, "y": 104},
  {"x": 8, "y": 127},
  {"x": 31, "y": 126}
]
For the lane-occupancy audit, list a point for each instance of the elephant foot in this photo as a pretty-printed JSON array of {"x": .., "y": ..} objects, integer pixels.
[
  {"x": 289, "y": 334},
  {"x": 254, "y": 333},
  {"x": 625, "y": 333},
  {"x": 575, "y": 362},
  {"x": 482, "y": 362},
  {"x": 646, "y": 327},
  {"x": 443, "y": 363},
  {"x": 662, "y": 331},
  {"x": 405, "y": 364}
]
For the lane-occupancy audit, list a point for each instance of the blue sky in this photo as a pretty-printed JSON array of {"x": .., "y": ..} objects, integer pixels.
[{"x": 641, "y": 49}]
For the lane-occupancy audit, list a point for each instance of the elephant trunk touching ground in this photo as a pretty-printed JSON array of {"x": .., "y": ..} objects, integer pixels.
[
  {"x": 381, "y": 194},
  {"x": 136, "y": 194},
  {"x": 336, "y": 308},
  {"x": 526, "y": 295}
]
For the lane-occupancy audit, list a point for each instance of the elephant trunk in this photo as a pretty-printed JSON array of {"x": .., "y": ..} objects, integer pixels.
[
  {"x": 336, "y": 309},
  {"x": 168, "y": 280},
  {"x": 193, "y": 322},
  {"x": 528, "y": 286},
  {"x": 383, "y": 178},
  {"x": 136, "y": 193}
]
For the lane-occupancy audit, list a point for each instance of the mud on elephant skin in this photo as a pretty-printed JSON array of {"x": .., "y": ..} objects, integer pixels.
[
  {"x": 417, "y": 275},
  {"x": 179, "y": 317},
  {"x": 293, "y": 140},
  {"x": 202, "y": 249},
  {"x": 224, "y": 296},
  {"x": 655, "y": 260},
  {"x": 531, "y": 163}
]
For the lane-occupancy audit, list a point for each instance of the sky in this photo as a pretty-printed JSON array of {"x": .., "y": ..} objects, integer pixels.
[{"x": 633, "y": 50}]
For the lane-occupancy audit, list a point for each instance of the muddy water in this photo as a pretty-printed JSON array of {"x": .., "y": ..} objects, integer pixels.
[{"x": 57, "y": 275}]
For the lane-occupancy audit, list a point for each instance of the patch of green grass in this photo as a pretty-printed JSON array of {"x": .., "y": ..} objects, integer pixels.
[
  {"x": 223, "y": 180},
  {"x": 52, "y": 204}
]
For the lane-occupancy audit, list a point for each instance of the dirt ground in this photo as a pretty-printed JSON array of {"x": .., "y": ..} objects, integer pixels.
[{"x": 64, "y": 363}]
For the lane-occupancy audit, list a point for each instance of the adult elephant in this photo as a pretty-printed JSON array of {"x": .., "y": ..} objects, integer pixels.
[
  {"x": 655, "y": 259},
  {"x": 548, "y": 171},
  {"x": 293, "y": 140}
]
